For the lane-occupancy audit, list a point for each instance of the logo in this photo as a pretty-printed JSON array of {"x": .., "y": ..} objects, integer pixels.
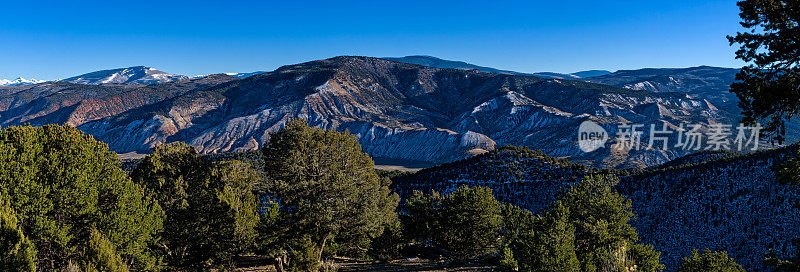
[{"x": 591, "y": 136}]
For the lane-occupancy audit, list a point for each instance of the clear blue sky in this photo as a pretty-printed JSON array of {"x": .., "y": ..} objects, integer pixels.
[{"x": 58, "y": 39}]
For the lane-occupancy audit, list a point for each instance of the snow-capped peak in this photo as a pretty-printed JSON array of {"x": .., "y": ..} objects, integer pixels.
[
  {"x": 137, "y": 74},
  {"x": 19, "y": 81}
]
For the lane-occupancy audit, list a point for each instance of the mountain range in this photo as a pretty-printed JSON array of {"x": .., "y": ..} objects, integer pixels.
[
  {"x": 464, "y": 120},
  {"x": 441, "y": 63},
  {"x": 402, "y": 113},
  {"x": 19, "y": 81}
]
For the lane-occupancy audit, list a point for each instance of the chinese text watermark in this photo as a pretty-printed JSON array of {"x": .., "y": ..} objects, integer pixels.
[{"x": 687, "y": 137}]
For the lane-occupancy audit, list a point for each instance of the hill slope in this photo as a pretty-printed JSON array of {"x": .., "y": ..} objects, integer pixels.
[{"x": 721, "y": 202}]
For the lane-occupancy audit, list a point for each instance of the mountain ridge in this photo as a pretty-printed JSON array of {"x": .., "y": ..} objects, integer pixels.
[
  {"x": 130, "y": 75},
  {"x": 400, "y": 112}
]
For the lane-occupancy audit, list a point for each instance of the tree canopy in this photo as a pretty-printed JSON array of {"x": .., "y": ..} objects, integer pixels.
[
  {"x": 769, "y": 86},
  {"x": 17, "y": 252},
  {"x": 324, "y": 188},
  {"x": 466, "y": 222},
  {"x": 210, "y": 207},
  {"x": 62, "y": 184},
  {"x": 709, "y": 261}
]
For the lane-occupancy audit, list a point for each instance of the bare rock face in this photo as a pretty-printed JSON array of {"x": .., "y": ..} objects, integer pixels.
[
  {"x": 77, "y": 104},
  {"x": 398, "y": 111}
]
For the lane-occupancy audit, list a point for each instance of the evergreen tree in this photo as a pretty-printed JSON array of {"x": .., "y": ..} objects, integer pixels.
[
  {"x": 210, "y": 207},
  {"x": 604, "y": 240},
  {"x": 61, "y": 184},
  {"x": 471, "y": 222},
  {"x": 645, "y": 258},
  {"x": 17, "y": 253},
  {"x": 709, "y": 261},
  {"x": 466, "y": 223},
  {"x": 326, "y": 187},
  {"x": 101, "y": 255},
  {"x": 776, "y": 264},
  {"x": 769, "y": 86},
  {"x": 549, "y": 245},
  {"x": 388, "y": 245},
  {"x": 507, "y": 261},
  {"x": 422, "y": 216}
]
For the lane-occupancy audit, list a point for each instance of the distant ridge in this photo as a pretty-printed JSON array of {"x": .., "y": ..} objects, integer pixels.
[
  {"x": 19, "y": 81},
  {"x": 136, "y": 74},
  {"x": 452, "y": 64},
  {"x": 591, "y": 73},
  {"x": 402, "y": 113}
]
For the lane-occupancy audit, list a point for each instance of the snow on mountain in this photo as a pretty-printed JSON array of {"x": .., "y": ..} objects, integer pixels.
[
  {"x": 19, "y": 81},
  {"x": 244, "y": 75},
  {"x": 136, "y": 75}
]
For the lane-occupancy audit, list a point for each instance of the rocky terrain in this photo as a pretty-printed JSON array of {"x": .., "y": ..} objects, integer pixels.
[
  {"x": 403, "y": 114},
  {"x": 77, "y": 104},
  {"x": 719, "y": 201},
  {"x": 711, "y": 83}
]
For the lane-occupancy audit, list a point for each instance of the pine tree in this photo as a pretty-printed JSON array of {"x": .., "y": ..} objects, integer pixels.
[
  {"x": 549, "y": 245},
  {"x": 101, "y": 255},
  {"x": 709, "y": 261},
  {"x": 507, "y": 261},
  {"x": 326, "y": 187},
  {"x": 210, "y": 207},
  {"x": 17, "y": 253},
  {"x": 62, "y": 183},
  {"x": 466, "y": 223},
  {"x": 603, "y": 236},
  {"x": 471, "y": 222},
  {"x": 768, "y": 87}
]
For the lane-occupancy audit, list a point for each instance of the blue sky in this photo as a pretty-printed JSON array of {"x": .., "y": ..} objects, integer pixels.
[{"x": 58, "y": 39}]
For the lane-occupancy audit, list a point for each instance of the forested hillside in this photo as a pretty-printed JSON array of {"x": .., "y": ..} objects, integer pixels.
[{"x": 720, "y": 201}]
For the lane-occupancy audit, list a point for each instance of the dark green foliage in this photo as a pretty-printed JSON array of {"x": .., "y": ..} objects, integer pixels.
[
  {"x": 645, "y": 258},
  {"x": 17, "y": 253},
  {"x": 62, "y": 184},
  {"x": 709, "y": 261},
  {"x": 587, "y": 230},
  {"x": 101, "y": 255},
  {"x": 210, "y": 208},
  {"x": 548, "y": 244},
  {"x": 789, "y": 172},
  {"x": 387, "y": 246},
  {"x": 471, "y": 221},
  {"x": 466, "y": 222},
  {"x": 507, "y": 261},
  {"x": 768, "y": 86},
  {"x": 304, "y": 256},
  {"x": 600, "y": 215},
  {"x": 326, "y": 190},
  {"x": 421, "y": 216},
  {"x": 778, "y": 265}
]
